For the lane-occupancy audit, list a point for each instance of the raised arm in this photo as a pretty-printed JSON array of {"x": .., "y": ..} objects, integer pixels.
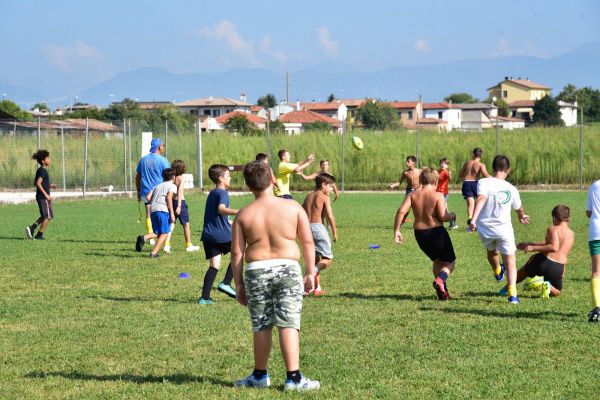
[
  {"x": 238, "y": 247},
  {"x": 305, "y": 163}
]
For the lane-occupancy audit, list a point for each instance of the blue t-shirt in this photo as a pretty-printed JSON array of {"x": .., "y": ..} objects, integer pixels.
[
  {"x": 216, "y": 226},
  {"x": 150, "y": 169}
]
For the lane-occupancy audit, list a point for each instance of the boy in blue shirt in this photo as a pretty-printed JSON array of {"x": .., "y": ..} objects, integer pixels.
[{"x": 216, "y": 233}]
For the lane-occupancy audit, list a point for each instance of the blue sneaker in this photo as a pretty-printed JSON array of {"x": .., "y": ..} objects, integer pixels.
[
  {"x": 500, "y": 277},
  {"x": 514, "y": 300},
  {"x": 204, "y": 302},
  {"x": 227, "y": 289},
  {"x": 503, "y": 291},
  {"x": 304, "y": 384},
  {"x": 251, "y": 382}
]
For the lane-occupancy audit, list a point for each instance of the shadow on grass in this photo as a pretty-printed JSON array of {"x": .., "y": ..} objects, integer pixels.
[
  {"x": 141, "y": 299},
  {"x": 97, "y": 241},
  {"x": 178, "y": 379},
  {"x": 111, "y": 254},
  {"x": 362, "y": 296},
  {"x": 13, "y": 238},
  {"x": 550, "y": 314},
  {"x": 481, "y": 294}
]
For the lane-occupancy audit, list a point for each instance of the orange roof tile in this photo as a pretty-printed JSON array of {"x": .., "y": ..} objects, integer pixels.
[
  {"x": 255, "y": 119},
  {"x": 353, "y": 102},
  {"x": 308, "y": 117},
  {"x": 431, "y": 121},
  {"x": 439, "y": 105},
  {"x": 403, "y": 104},
  {"x": 522, "y": 103}
]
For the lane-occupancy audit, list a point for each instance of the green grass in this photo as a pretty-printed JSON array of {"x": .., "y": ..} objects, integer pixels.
[
  {"x": 538, "y": 155},
  {"x": 82, "y": 315}
]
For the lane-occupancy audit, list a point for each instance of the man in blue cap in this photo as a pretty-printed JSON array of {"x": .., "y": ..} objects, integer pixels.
[{"x": 149, "y": 174}]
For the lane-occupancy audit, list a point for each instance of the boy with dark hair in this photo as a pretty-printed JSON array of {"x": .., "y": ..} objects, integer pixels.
[
  {"x": 264, "y": 236},
  {"x": 42, "y": 195},
  {"x": 471, "y": 172},
  {"x": 491, "y": 218},
  {"x": 286, "y": 169},
  {"x": 262, "y": 157},
  {"x": 430, "y": 211},
  {"x": 444, "y": 177},
  {"x": 411, "y": 175},
  {"x": 324, "y": 165},
  {"x": 552, "y": 254},
  {"x": 318, "y": 207},
  {"x": 162, "y": 213},
  {"x": 216, "y": 233}
]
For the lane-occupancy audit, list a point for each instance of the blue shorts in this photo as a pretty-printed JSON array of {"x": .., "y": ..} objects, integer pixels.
[
  {"x": 160, "y": 222},
  {"x": 184, "y": 216},
  {"x": 409, "y": 190},
  {"x": 469, "y": 189}
]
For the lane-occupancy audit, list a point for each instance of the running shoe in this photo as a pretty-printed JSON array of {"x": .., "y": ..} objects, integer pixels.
[
  {"x": 440, "y": 289},
  {"x": 594, "y": 315},
  {"x": 514, "y": 300},
  {"x": 205, "y": 302},
  {"x": 251, "y": 382},
  {"x": 227, "y": 289},
  {"x": 546, "y": 289},
  {"x": 139, "y": 244},
  {"x": 303, "y": 385}
]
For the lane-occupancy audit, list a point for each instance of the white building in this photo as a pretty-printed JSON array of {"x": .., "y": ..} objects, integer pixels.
[
  {"x": 444, "y": 111},
  {"x": 214, "y": 106},
  {"x": 568, "y": 113}
]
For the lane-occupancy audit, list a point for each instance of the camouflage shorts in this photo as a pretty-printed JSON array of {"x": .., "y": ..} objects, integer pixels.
[{"x": 274, "y": 289}]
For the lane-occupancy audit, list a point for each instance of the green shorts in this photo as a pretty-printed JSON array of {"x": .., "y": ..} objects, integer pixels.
[
  {"x": 274, "y": 289},
  {"x": 594, "y": 247}
]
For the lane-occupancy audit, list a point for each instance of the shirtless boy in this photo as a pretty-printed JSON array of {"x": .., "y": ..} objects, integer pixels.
[
  {"x": 552, "y": 254},
  {"x": 318, "y": 207},
  {"x": 411, "y": 175},
  {"x": 264, "y": 235},
  {"x": 471, "y": 172},
  {"x": 429, "y": 209},
  {"x": 324, "y": 164}
]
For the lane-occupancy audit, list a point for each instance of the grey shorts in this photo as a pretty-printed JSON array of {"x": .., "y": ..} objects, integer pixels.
[
  {"x": 274, "y": 289},
  {"x": 322, "y": 241}
]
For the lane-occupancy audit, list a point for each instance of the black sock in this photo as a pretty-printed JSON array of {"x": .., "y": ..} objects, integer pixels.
[
  {"x": 33, "y": 226},
  {"x": 228, "y": 275},
  {"x": 209, "y": 279},
  {"x": 259, "y": 373},
  {"x": 294, "y": 376},
  {"x": 39, "y": 234}
]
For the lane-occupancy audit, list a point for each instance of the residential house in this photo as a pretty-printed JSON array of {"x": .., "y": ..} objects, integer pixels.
[
  {"x": 260, "y": 122},
  {"x": 511, "y": 90},
  {"x": 146, "y": 105},
  {"x": 432, "y": 123},
  {"x": 335, "y": 109},
  {"x": 522, "y": 109},
  {"x": 280, "y": 109},
  {"x": 507, "y": 123},
  {"x": 476, "y": 116},
  {"x": 296, "y": 121},
  {"x": 568, "y": 112},
  {"x": 352, "y": 106},
  {"x": 408, "y": 112},
  {"x": 213, "y": 106},
  {"x": 443, "y": 111},
  {"x": 259, "y": 111}
]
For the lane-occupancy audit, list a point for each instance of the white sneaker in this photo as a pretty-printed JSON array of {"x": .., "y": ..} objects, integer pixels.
[
  {"x": 252, "y": 382},
  {"x": 167, "y": 249},
  {"x": 304, "y": 384},
  {"x": 192, "y": 248},
  {"x": 152, "y": 242}
]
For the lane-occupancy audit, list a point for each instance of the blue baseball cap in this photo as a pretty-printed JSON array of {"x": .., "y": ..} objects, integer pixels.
[{"x": 154, "y": 145}]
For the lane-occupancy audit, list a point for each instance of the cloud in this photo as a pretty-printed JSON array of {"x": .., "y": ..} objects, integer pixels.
[
  {"x": 329, "y": 45},
  {"x": 504, "y": 49},
  {"x": 226, "y": 32},
  {"x": 69, "y": 58},
  {"x": 422, "y": 45}
]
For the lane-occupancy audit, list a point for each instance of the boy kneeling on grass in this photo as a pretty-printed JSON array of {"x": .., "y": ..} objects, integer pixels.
[
  {"x": 264, "y": 235},
  {"x": 162, "y": 214}
]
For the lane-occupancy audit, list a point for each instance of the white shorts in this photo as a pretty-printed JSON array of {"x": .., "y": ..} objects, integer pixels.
[{"x": 506, "y": 246}]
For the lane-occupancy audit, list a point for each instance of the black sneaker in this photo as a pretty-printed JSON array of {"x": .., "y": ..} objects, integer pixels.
[
  {"x": 139, "y": 244},
  {"x": 594, "y": 315},
  {"x": 29, "y": 232},
  {"x": 39, "y": 237},
  {"x": 154, "y": 255}
]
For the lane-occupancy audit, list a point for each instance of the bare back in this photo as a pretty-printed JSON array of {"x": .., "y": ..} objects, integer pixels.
[
  {"x": 428, "y": 208},
  {"x": 472, "y": 170},
  {"x": 314, "y": 205},
  {"x": 565, "y": 237},
  {"x": 270, "y": 226}
]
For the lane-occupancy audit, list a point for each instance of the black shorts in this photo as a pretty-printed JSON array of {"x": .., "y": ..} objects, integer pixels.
[
  {"x": 540, "y": 265},
  {"x": 286, "y": 196},
  {"x": 184, "y": 216},
  {"x": 436, "y": 243},
  {"x": 45, "y": 207},
  {"x": 214, "y": 249},
  {"x": 469, "y": 189}
]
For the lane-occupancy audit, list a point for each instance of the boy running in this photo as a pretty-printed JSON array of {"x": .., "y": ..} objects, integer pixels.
[
  {"x": 592, "y": 210},
  {"x": 285, "y": 169},
  {"x": 264, "y": 236},
  {"x": 162, "y": 213},
  {"x": 430, "y": 211},
  {"x": 181, "y": 209},
  {"x": 411, "y": 175},
  {"x": 216, "y": 233},
  {"x": 552, "y": 254},
  {"x": 444, "y": 177},
  {"x": 491, "y": 218},
  {"x": 471, "y": 172},
  {"x": 42, "y": 195},
  {"x": 318, "y": 207}
]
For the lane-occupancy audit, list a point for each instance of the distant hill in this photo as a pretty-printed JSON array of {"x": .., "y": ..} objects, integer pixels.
[{"x": 579, "y": 66}]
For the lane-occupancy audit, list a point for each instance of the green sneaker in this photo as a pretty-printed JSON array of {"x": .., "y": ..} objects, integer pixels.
[
  {"x": 227, "y": 289},
  {"x": 205, "y": 302},
  {"x": 546, "y": 286}
]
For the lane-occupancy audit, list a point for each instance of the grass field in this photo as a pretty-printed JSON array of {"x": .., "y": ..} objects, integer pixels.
[{"x": 82, "y": 315}]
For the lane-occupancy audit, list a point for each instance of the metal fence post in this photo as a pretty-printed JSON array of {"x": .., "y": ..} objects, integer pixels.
[
  {"x": 343, "y": 144},
  {"x": 581, "y": 151},
  {"x": 39, "y": 133},
  {"x": 130, "y": 166},
  {"x": 166, "y": 138},
  {"x": 85, "y": 159},
  {"x": 199, "y": 155},
  {"x": 62, "y": 148},
  {"x": 125, "y": 154}
]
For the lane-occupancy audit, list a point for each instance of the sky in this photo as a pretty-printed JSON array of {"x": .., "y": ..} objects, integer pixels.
[{"x": 85, "y": 42}]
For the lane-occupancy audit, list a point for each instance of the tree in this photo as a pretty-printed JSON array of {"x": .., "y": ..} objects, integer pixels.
[
  {"x": 126, "y": 109},
  {"x": 375, "y": 115},
  {"x": 318, "y": 126},
  {"x": 460, "y": 98},
  {"x": 568, "y": 94},
  {"x": 588, "y": 100},
  {"x": 40, "y": 107},
  {"x": 13, "y": 109},
  {"x": 502, "y": 105},
  {"x": 546, "y": 112},
  {"x": 276, "y": 126},
  {"x": 239, "y": 123},
  {"x": 267, "y": 101},
  {"x": 331, "y": 98}
]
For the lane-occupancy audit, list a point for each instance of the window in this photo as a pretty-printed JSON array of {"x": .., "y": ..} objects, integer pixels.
[
  {"x": 514, "y": 114},
  {"x": 399, "y": 114},
  {"x": 504, "y": 94},
  {"x": 206, "y": 112},
  {"x": 410, "y": 115},
  {"x": 440, "y": 115}
]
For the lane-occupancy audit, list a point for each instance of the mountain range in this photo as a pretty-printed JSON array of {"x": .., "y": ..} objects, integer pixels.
[{"x": 579, "y": 66}]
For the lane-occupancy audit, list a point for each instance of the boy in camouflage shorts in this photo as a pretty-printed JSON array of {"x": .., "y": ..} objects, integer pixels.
[{"x": 264, "y": 235}]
